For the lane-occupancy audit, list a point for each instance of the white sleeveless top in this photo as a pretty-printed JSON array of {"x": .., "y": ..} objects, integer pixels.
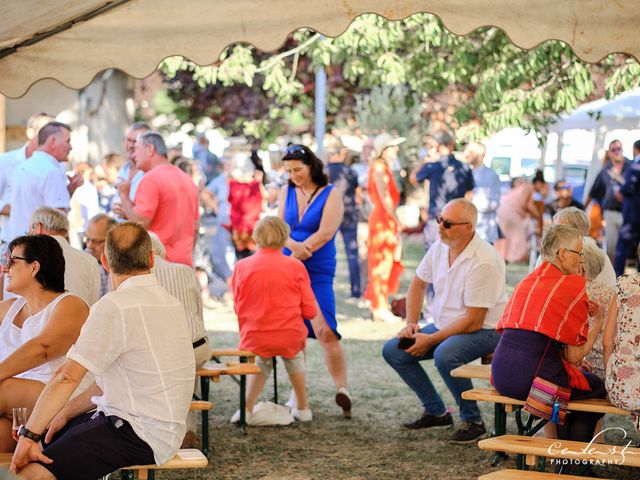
[{"x": 12, "y": 337}]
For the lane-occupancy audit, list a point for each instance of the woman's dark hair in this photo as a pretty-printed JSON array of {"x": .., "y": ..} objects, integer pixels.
[
  {"x": 47, "y": 252},
  {"x": 538, "y": 177},
  {"x": 306, "y": 156}
]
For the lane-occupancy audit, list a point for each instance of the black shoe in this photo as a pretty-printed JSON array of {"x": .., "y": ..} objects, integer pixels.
[
  {"x": 428, "y": 421},
  {"x": 469, "y": 432}
]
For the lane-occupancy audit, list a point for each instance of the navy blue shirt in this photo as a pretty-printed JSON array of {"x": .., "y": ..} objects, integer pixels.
[
  {"x": 449, "y": 179},
  {"x": 606, "y": 185},
  {"x": 631, "y": 193},
  {"x": 345, "y": 179}
]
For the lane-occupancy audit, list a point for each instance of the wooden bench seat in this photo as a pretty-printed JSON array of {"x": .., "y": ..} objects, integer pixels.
[
  {"x": 231, "y": 352},
  {"x": 5, "y": 460},
  {"x": 535, "y": 447},
  {"x": 596, "y": 405},
  {"x": 200, "y": 405},
  {"x": 473, "y": 371},
  {"x": 185, "y": 458},
  {"x": 528, "y": 475}
]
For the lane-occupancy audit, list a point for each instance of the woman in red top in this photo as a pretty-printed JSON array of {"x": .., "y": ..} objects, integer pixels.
[
  {"x": 545, "y": 331},
  {"x": 272, "y": 297}
]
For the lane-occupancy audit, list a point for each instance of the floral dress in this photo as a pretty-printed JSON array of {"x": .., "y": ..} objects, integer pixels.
[
  {"x": 599, "y": 294},
  {"x": 623, "y": 368}
]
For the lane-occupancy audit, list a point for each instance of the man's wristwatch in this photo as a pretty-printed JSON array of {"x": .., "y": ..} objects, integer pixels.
[{"x": 24, "y": 432}]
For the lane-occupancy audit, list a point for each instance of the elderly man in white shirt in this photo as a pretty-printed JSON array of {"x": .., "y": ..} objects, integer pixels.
[
  {"x": 81, "y": 273},
  {"x": 468, "y": 276},
  {"x": 39, "y": 180},
  {"x": 137, "y": 343}
]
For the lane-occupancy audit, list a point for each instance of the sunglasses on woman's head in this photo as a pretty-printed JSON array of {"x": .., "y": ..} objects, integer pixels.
[
  {"x": 448, "y": 223},
  {"x": 293, "y": 152}
]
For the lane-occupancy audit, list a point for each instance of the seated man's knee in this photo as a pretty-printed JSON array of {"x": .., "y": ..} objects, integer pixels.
[{"x": 447, "y": 357}]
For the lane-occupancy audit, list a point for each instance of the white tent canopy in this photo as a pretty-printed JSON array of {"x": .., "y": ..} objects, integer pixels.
[{"x": 73, "y": 40}]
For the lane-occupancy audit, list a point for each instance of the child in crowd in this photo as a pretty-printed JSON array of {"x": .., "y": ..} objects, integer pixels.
[{"x": 272, "y": 295}]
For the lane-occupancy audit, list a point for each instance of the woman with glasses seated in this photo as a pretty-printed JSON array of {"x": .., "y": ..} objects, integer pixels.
[
  {"x": 37, "y": 328},
  {"x": 545, "y": 331},
  {"x": 313, "y": 210}
]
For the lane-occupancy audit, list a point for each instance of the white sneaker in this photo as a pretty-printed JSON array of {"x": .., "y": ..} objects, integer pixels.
[
  {"x": 235, "y": 418},
  {"x": 384, "y": 315},
  {"x": 293, "y": 401},
  {"x": 302, "y": 415}
]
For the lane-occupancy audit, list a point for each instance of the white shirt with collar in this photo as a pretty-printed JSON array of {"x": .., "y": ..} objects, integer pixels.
[
  {"x": 38, "y": 181},
  {"x": 8, "y": 163},
  {"x": 137, "y": 343},
  {"x": 81, "y": 272},
  {"x": 476, "y": 279}
]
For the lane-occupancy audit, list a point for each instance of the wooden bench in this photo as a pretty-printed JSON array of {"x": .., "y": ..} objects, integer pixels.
[
  {"x": 472, "y": 371},
  {"x": 528, "y": 475},
  {"x": 504, "y": 405},
  {"x": 185, "y": 458},
  {"x": 247, "y": 355},
  {"x": 213, "y": 372},
  {"x": 535, "y": 448}
]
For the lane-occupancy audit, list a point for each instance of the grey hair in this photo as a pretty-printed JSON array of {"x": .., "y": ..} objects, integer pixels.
[
  {"x": 140, "y": 126},
  {"x": 470, "y": 212},
  {"x": 157, "y": 247},
  {"x": 155, "y": 139},
  {"x": 443, "y": 137},
  {"x": 593, "y": 258},
  {"x": 574, "y": 217},
  {"x": 51, "y": 219},
  {"x": 271, "y": 232},
  {"x": 109, "y": 220},
  {"x": 556, "y": 237}
]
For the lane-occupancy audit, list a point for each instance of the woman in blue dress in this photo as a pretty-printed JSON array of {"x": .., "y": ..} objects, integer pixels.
[{"x": 313, "y": 210}]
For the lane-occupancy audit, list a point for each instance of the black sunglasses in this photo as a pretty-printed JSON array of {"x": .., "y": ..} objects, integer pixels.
[
  {"x": 294, "y": 152},
  {"x": 11, "y": 260},
  {"x": 448, "y": 223}
]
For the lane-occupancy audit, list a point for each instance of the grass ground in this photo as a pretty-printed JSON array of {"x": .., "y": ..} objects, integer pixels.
[{"x": 372, "y": 445}]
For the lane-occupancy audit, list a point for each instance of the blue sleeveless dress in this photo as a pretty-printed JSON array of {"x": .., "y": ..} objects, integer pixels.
[{"x": 321, "y": 266}]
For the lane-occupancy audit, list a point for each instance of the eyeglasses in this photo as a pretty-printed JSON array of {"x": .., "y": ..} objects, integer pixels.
[
  {"x": 448, "y": 223},
  {"x": 295, "y": 152},
  {"x": 11, "y": 260},
  {"x": 615, "y": 149},
  {"x": 575, "y": 251}
]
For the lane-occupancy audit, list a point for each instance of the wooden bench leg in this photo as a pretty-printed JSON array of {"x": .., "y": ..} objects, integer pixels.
[
  {"x": 275, "y": 380},
  {"x": 243, "y": 403},
  {"x": 499, "y": 428},
  {"x": 204, "y": 391}
]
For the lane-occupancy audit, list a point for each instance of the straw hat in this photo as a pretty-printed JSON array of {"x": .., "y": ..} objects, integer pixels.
[{"x": 383, "y": 141}]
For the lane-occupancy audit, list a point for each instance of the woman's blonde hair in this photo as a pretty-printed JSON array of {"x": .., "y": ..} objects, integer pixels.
[{"x": 271, "y": 232}]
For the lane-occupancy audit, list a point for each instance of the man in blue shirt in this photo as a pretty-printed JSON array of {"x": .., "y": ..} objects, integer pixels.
[
  {"x": 629, "y": 236},
  {"x": 448, "y": 177}
]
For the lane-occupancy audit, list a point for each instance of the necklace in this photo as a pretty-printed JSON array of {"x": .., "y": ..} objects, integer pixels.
[{"x": 309, "y": 196}]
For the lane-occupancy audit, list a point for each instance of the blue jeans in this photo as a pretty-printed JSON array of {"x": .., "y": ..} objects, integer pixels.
[
  {"x": 455, "y": 351},
  {"x": 350, "y": 237}
]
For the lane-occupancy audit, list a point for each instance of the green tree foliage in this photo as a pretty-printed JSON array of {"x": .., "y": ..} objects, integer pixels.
[{"x": 501, "y": 84}]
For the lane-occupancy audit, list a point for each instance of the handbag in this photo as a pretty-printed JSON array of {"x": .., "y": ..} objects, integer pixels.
[{"x": 546, "y": 399}]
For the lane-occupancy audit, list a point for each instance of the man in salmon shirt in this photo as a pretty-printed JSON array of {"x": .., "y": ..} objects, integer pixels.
[{"x": 166, "y": 202}]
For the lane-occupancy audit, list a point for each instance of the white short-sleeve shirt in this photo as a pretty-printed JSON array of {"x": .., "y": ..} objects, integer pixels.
[
  {"x": 38, "y": 181},
  {"x": 8, "y": 163},
  {"x": 81, "y": 272},
  {"x": 136, "y": 342},
  {"x": 476, "y": 279}
]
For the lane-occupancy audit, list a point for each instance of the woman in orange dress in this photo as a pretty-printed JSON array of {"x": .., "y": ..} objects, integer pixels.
[{"x": 383, "y": 243}]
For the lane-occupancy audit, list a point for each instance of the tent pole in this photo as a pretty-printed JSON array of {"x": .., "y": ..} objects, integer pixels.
[
  {"x": 321, "y": 109},
  {"x": 3, "y": 125}
]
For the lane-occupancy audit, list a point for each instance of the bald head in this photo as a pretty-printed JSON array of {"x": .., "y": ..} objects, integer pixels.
[
  {"x": 128, "y": 249},
  {"x": 462, "y": 210}
]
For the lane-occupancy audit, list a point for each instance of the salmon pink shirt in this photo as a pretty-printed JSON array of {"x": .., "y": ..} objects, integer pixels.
[
  {"x": 169, "y": 198},
  {"x": 272, "y": 297}
]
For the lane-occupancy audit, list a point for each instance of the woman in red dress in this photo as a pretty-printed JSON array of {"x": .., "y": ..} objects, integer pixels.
[{"x": 383, "y": 243}]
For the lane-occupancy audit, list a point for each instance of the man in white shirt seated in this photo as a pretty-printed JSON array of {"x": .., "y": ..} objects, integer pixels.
[
  {"x": 468, "y": 277},
  {"x": 81, "y": 273},
  {"x": 137, "y": 343}
]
